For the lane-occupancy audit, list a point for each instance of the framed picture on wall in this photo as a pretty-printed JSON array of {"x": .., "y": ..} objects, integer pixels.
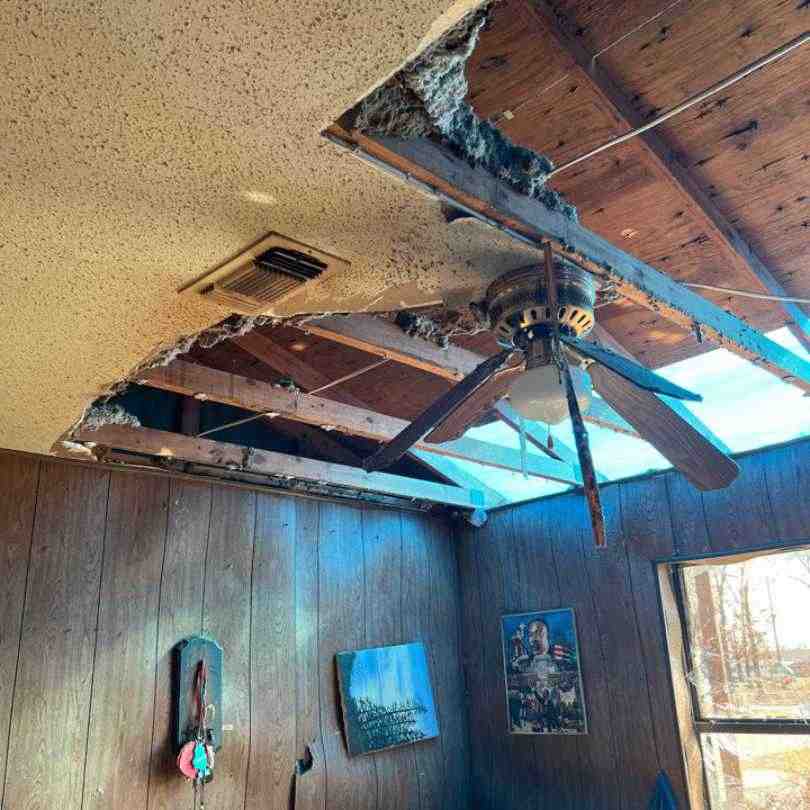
[
  {"x": 543, "y": 676},
  {"x": 387, "y": 698}
]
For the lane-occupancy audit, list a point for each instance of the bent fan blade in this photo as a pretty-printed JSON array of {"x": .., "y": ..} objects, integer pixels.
[
  {"x": 493, "y": 390},
  {"x": 436, "y": 413},
  {"x": 671, "y": 435},
  {"x": 635, "y": 373}
]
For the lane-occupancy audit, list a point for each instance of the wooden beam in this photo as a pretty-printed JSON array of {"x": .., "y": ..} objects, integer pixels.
[
  {"x": 451, "y": 470},
  {"x": 663, "y": 160},
  {"x": 453, "y": 180},
  {"x": 287, "y": 363},
  {"x": 307, "y": 377},
  {"x": 610, "y": 342},
  {"x": 277, "y": 465},
  {"x": 385, "y": 339},
  {"x": 190, "y": 379}
]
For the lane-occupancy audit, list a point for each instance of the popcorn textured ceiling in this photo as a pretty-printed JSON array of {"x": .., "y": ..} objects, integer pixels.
[{"x": 145, "y": 143}]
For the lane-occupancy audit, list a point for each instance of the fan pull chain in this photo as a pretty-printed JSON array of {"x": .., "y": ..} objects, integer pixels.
[
  {"x": 550, "y": 439},
  {"x": 522, "y": 434}
]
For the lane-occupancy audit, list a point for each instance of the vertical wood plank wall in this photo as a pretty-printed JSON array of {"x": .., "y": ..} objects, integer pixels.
[
  {"x": 541, "y": 555},
  {"x": 102, "y": 572}
]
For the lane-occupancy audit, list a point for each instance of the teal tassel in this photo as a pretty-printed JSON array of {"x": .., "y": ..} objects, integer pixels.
[{"x": 200, "y": 759}]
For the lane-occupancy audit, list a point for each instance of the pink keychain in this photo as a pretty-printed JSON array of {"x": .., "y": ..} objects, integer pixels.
[{"x": 184, "y": 760}]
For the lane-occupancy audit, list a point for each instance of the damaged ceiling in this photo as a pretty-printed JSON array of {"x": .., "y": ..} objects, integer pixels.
[{"x": 147, "y": 147}]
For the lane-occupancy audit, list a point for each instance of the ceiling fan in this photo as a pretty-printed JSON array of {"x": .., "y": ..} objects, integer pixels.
[{"x": 540, "y": 315}]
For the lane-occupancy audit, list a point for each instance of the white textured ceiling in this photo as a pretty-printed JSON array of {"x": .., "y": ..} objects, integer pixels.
[{"x": 145, "y": 143}]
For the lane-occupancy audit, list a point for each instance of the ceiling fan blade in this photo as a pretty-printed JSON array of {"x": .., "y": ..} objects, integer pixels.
[
  {"x": 484, "y": 398},
  {"x": 635, "y": 373},
  {"x": 436, "y": 413},
  {"x": 688, "y": 450}
]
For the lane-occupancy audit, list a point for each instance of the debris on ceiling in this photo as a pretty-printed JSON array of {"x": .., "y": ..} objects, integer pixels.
[{"x": 429, "y": 98}]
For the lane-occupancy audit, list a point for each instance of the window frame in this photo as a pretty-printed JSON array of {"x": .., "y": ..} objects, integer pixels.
[
  {"x": 703, "y": 724},
  {"x": 700, "y": 725}
]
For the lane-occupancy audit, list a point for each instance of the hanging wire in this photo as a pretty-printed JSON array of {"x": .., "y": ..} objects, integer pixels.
[
  {"x": 349, "y": 376},
  {"x": 747, "y": 293},
  {"x": 522, "y": 434},
  {"x": 268, "y": 414},
  {"x": 690, "y": 102},
  {"x": 271, "y": 414}
]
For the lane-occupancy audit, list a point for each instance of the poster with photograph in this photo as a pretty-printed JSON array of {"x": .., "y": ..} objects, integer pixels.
[{"x": 543, "y": 676}]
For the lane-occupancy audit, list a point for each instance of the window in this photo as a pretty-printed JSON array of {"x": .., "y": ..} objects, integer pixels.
[{"x": 746, "y": 622}]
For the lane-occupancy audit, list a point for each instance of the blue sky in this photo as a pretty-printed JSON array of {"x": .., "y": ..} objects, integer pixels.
[{"x": 745, "y": 406}]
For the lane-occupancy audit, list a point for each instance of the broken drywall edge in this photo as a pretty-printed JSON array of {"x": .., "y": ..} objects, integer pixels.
[
  {"x": 206, "y": 338},
  {"x": 420, "y": 326},
  {"x": 162, "y": 356},
  {"x": 428, "y": 98},
  {"x": 77, "y": 449}
]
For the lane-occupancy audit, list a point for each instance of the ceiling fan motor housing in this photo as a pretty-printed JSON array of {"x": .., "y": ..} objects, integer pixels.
[{"x": 517, "y": 303}]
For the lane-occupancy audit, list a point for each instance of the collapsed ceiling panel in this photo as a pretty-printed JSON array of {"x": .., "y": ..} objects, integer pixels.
[{"x": 136, "y": 191}]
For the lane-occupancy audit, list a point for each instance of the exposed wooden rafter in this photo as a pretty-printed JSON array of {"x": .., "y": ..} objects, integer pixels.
[
  {"x": 189, "y": 379},
  {"x": 309, "y": 378},
  {"x": 663, "y": 160},
  {"x": 276, "y": 465},
  {"x": 452, "y": 471},
  {"x": 453, "y": 180},
  {"x": 381, "y": 337}
]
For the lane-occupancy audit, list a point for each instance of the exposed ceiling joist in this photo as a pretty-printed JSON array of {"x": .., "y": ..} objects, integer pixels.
[
  {"x": 189, "y": 379},
  {"x": 276, "y": 465},
  {"x": 383, "y": 338},
  {"x": 453, "y": 180},
  {"x": 451, "y": 470},
  {"x": 380, "y": 337},
  {"x": 664, "y": 161},
  {"x": 307, "y": 377}
]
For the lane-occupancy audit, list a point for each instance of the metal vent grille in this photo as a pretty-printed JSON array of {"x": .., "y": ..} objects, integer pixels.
[
  {"x": 274, "y": 274},
  {"x": 266, "y": 274}
]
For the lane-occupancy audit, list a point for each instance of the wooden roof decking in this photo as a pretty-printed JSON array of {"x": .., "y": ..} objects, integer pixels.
[{"x": 747, "y": 148}]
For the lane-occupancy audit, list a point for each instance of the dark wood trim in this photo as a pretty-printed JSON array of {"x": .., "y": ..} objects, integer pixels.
[{"x": 144, "y": 465}]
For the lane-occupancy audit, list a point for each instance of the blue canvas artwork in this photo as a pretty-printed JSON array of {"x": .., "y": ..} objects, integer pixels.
[
  {"x": 543, "y": 676},
  {"x": 387, "y": 697}
]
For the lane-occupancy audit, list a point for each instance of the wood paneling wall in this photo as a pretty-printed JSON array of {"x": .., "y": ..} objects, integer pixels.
[
  {"x": 103, "y": 572},
  {"x": 541, "y": 555}
]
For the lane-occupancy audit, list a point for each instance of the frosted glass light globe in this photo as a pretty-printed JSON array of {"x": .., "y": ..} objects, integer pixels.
[{"x": 539, "y": 394}]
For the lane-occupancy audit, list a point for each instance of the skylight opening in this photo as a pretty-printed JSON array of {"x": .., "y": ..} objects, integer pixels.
[{"x": 745, "y": 406}]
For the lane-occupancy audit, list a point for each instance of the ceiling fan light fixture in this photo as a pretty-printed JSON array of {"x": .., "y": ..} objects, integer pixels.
[{"x": 539, "y": 394}]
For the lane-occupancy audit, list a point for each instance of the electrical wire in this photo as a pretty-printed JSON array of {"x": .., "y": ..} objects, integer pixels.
[
  {"x": 227, "y": 425},
  {"x": 349, "y": 376},
  {"x": 747, "y": 293},
  {"x": 690, "y": 102}
]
